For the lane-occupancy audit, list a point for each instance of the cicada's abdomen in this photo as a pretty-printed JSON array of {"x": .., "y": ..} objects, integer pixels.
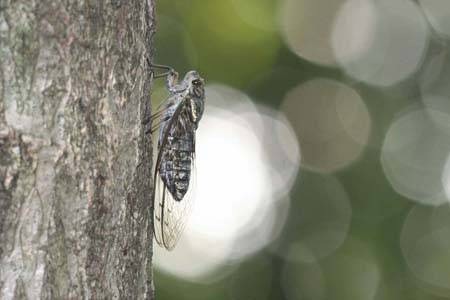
[{"x": 176, "y": 160}]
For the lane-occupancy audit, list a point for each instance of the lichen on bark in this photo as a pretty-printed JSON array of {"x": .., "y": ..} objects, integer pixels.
[{"x": 75, "y": 158}]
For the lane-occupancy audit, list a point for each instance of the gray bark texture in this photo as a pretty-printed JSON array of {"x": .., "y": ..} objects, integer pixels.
[{"x": 75, "y": 159}]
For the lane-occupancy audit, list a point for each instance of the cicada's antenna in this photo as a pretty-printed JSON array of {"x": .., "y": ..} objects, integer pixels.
[{"x": 163, "y": 67}]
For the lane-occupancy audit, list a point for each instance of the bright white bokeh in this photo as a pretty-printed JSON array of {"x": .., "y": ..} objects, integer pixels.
[
  {"x": 280, "y": 146},
  {"x": 307, "y": 26},
  {"x": 414, "y": 153},
  {"x": 438, "y": 14},
  {"x": 380, "y": 42},
  {"x": 331, "y": 121},
  {"x": 425, "y": 246},
  {"x": 237, "y": 209},
  {"x": 232, "y": 175}
]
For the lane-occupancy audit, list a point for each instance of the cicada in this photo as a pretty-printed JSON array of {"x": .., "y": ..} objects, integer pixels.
[{"x": 174, "y": 176}]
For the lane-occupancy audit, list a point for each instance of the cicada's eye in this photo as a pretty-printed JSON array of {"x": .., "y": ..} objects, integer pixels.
[{"x": 197, "y": 82}]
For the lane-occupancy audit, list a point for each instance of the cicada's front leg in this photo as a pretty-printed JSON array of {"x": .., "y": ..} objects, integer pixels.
[{"x": 168, "y": 70}]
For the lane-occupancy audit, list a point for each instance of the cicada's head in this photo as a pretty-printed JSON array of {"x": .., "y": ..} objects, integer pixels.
[{"x": 196, "y": 84}]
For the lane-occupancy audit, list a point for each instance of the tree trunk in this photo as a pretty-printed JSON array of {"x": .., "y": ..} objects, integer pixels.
[{"x": 75, "y": 159}]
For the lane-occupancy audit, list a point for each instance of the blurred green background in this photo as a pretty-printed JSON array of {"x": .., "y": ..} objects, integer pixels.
[{"x": 332, "y": 119}]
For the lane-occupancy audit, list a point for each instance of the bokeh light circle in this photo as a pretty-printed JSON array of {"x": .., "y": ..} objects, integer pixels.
[
  {"x": 349, "y": 41},
  {"x": 280, "y": 145},
  {"x": 351, "y": 273},
  {"x": 386, "y": 46},
  {"x": 304, "y": 281},
  {"x": 413, "y": 157},
  {"x": 307, "y": 26},
  {"x": 321, "y": 221},
  {"x": 331, "y": 121},
  {"x": 425, "y": 246}
]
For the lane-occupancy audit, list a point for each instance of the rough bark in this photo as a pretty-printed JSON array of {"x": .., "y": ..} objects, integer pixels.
[{"x": 75, "y": 158}]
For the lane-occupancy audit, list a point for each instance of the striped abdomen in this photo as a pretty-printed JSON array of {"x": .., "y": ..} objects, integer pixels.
[{"x": 175, "y": 167}]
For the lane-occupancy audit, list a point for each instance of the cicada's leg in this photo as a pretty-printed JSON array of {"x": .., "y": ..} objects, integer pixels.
[
  {"x": 163, "y": 67},
  {"x": 160, "y": 109}
]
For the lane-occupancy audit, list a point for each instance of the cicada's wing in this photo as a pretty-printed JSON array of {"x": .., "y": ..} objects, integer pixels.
[
  {"x": 158, "y": 117},
  {"x": 169, "y": 215}
]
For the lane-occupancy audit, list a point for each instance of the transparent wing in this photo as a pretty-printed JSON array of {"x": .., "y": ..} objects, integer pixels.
[
  {"x": 158, "y": 117},
  {"x": 169, "y": 215}
]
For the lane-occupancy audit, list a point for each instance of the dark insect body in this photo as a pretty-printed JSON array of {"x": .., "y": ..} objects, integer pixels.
[{"x": 175, "y": 163}]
